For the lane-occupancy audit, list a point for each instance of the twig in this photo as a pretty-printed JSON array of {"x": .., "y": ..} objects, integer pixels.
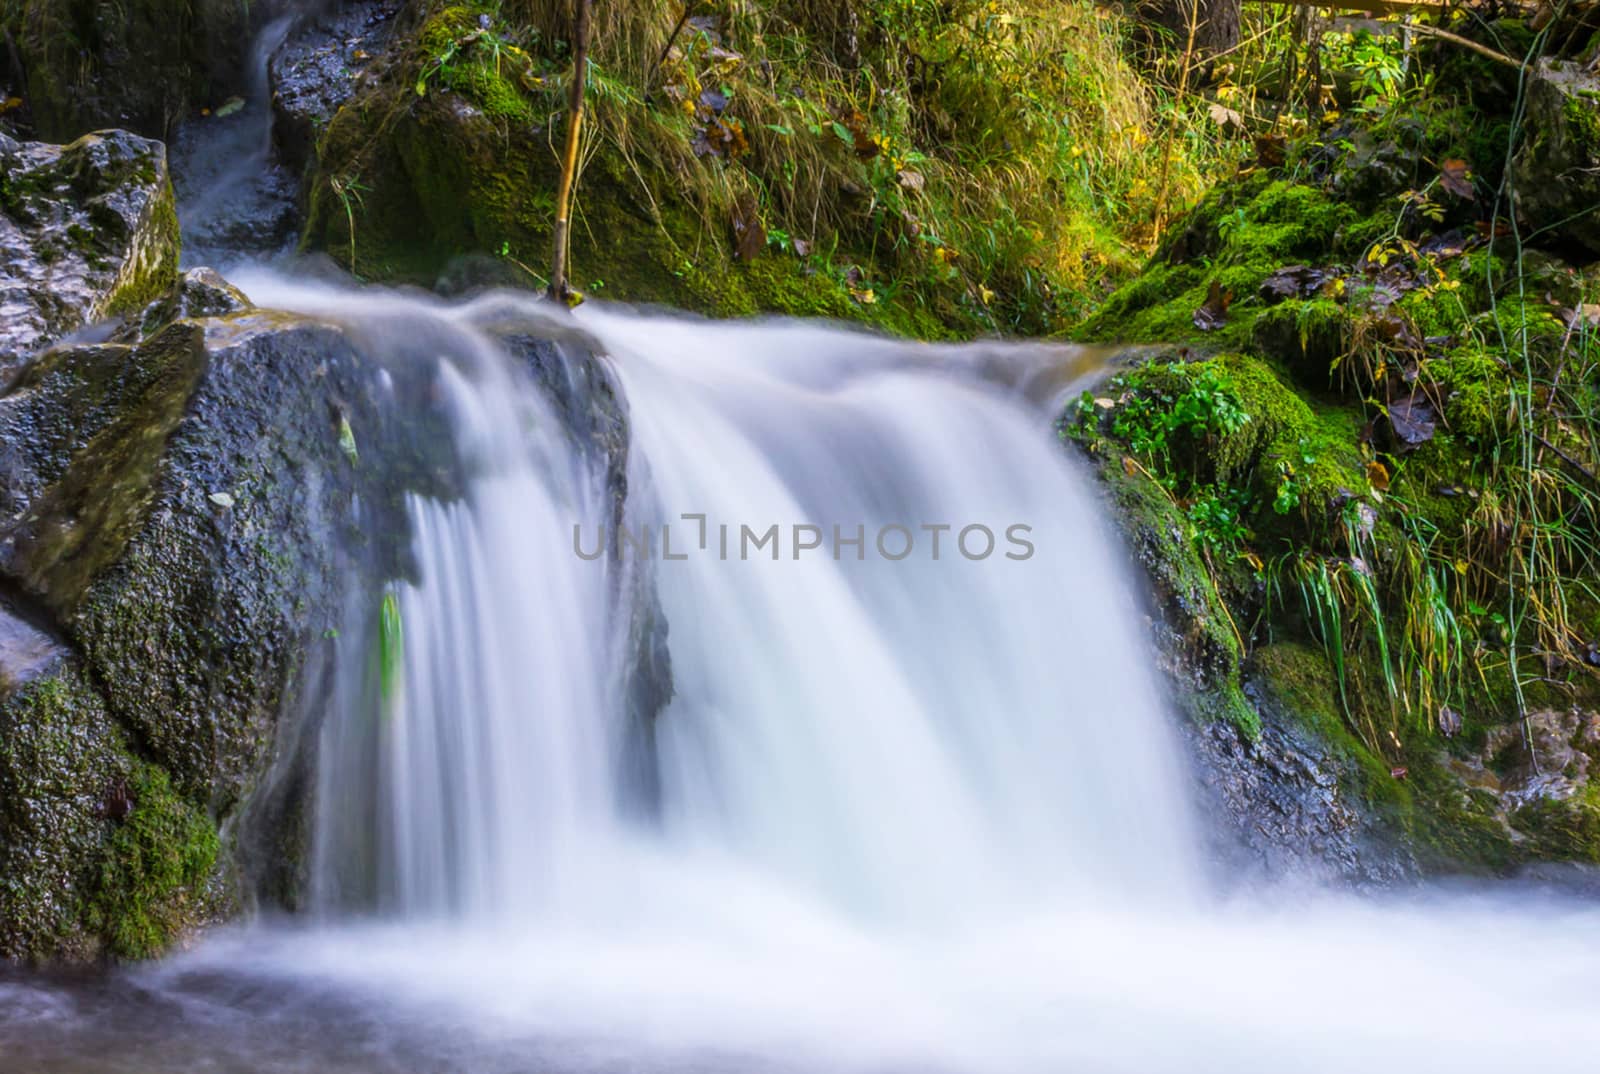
[
  {"x": 1576, "y": 466},
  {"x": 1466, "y": 43},
  {"x": 569, "y": 165},
  {"x": 650, "y": 77}
]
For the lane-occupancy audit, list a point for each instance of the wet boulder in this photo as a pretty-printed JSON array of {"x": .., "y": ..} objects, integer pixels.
[
  {"x": 184, "y": 523},
  {"x": 199, "y": 293},
  {"x": 87, "y": 231},
  {"x": 1557, "y": 169},
  {"x": 319, "y": 67}
]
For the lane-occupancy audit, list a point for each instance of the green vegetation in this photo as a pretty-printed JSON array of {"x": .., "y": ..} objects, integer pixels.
[
  {"x": 1380, "y": 439},
  {"x": 930, "y": 167},
  {"x": 156, "y": 864}
]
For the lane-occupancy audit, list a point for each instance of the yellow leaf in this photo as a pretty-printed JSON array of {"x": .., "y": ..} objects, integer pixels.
[{"x": 1378, "y": 475}]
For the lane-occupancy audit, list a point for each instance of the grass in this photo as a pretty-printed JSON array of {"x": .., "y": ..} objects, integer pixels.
[{"x": 986, "y": 166}]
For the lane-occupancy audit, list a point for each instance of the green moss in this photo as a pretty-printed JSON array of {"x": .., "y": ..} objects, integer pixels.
[
  {"x": 1582, "y": 115},
  {"x": 1473, "y": 384},
  {"x": 149, "y": 887},
  {"x": 1308, "y": 336},
  {"x": 152, "y": 269},
  {"x": 1299, "y": 683},
  {"x": 1203, "y": 639},
  {"x": 1234, "y": 239}
]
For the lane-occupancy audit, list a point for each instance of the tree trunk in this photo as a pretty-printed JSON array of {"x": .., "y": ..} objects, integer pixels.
[{"x": 1198, "y": 29}]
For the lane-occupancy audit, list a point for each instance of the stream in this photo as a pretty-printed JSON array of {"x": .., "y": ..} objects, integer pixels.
[{"x": 912, "y": 806}]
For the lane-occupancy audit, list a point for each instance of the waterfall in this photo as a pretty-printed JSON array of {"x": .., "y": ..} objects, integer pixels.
[
  {"x": 902, "y": 731},
  {"x": 938, "y": 719},
  {"x": 905, "y": 813}
]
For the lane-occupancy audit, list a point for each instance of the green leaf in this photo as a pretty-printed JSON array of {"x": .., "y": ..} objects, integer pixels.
[
  {"x": 391, "y": 648},
  {"x": 347, "y": 440}
]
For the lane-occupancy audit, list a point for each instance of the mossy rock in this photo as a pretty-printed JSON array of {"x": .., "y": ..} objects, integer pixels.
[
  {"x": 93, "y": 235},
  {"x": 189, "y": 518},
  {"x": 99, "y": 857},
  {"x": 1557, "y": 168},
  {"x": 1197, "y": 637}
]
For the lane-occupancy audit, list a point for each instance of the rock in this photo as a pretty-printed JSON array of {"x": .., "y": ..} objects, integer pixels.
[
  {"x": 87, "y": 231},
  {"x": 88, "y": 64},
  {"x": 199, "y": 293},
  {"x": 1282, "y": 806},
  {"x": 1557, "y": 169},
  {"x": 187, "y": 625},
  {"x": 1542, "y": 800},
  {"x": 188, "y": 535},
  {"x": 319, "y": 67}
]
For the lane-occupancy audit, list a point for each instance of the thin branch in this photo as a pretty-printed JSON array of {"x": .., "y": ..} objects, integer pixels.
[{"x": 569, "y": 165}]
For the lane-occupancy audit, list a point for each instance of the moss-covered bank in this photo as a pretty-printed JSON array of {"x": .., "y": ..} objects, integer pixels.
[
  {"x": 754, "y": 158},
  {"x": 1369, "y": 454}
]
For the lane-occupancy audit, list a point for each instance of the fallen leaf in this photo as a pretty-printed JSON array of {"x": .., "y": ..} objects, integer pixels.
[
  {"x": 802, "y": 247},
  {"x": 1586, "y": 314},
  {"x": 912, "y": 181},
  {"x": 347, "y": 441},
  {"x": 1398, "y": 772},
  {"x": 221, "y": 499},
  {"x": 1225, "y": 117},
  {"x": 1213, "y": 313},
  {"x": 1367, "y": 516},
  {"x": 1456, "y": 177},
  {"x": 1412, "y": 420},
  {"x": 1292, "y": 281},
  {"x": 1449, "y": 722},
  {"x": 229, "y": 107},
  {"x": 1378, "y": 476},
  {"x": 1271, "y": 150},
  {"x": 713, "y": 101}
]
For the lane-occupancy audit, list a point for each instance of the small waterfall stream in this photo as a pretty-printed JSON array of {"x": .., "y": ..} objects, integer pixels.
[{"x": 910, "y": 814}]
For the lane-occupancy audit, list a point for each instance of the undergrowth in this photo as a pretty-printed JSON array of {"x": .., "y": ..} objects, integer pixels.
[{"x": 1383, "y": 436}]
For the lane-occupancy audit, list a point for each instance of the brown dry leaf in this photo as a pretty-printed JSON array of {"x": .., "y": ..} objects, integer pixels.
[
  {"x": 1271, "y": 150},
  {"x": 1378, "y": 476},
  {"x": 1225, "y": 117},
  {"x": 1587, "y": 314},
  {"x": 1456, "y": 177},
  {"x": 1129, "y": 467},
  {"x": 1449, "y": 722},
  {"x": 911, "y": 180},
  {"x": 1413, "y": 420}
]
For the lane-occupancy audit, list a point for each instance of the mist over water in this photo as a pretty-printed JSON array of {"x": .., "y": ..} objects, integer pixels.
[{"x": 910, "y": 814}]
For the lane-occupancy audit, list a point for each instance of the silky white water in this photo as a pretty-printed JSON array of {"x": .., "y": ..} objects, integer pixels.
[{"x": 913, "y": 814}]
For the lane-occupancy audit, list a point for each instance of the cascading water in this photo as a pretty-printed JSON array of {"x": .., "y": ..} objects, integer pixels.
[
  {"x": 908, "y": 813},
  {"x": 236, "y": 200}
]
